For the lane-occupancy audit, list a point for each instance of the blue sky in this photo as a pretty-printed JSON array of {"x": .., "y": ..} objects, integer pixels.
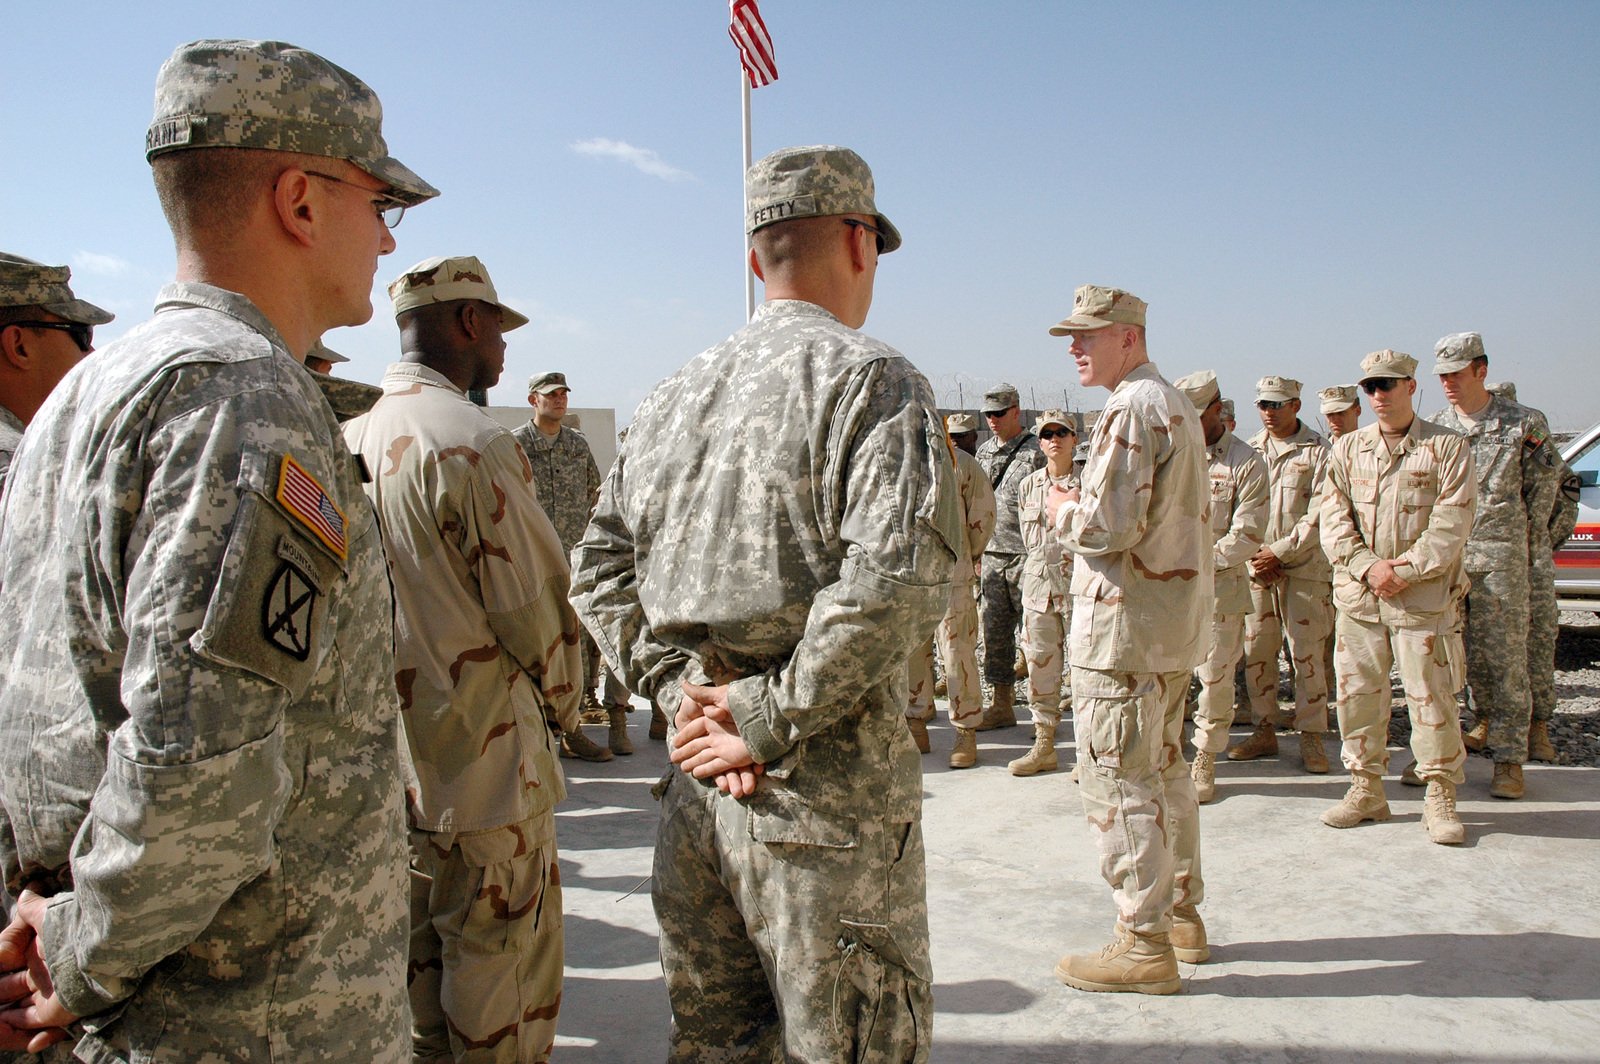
[{"x": 1290, "y": 185}]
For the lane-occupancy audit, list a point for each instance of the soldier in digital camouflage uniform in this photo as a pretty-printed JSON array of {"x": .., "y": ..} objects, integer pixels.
[
  {"x": 1395, "y": 518},
  {"x": 1289, "y": 581},
  {"x": 1519, "y": 475},
  {"x": 44, "y": 331},
  {"x": 1046, "y": 594},
  {"x": 773, "y": 541},
  {"x": 567, "y": 482},
  {"x": 957, "y": 635},
  {"x": 485, "y": 643},
  {"x": 1238, "y": 479},
  {"x": 1007, "y": 456},
  {"x": 1142, "y": 590},
  {"x": 200, "y": 759}
]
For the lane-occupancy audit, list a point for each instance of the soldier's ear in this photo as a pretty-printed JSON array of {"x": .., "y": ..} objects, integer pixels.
[
  {"x": 13, "y": 349},
  {"x": 467, "y": 319}
]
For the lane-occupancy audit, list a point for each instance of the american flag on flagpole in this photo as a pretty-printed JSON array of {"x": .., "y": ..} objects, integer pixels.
[{"x": 749, "y": 35}]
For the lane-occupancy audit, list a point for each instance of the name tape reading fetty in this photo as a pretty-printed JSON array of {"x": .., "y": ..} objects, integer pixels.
[{"x": 783, "y": 210}]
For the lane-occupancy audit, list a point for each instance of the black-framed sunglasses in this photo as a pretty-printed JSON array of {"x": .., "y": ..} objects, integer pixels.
[
  {"x": 389, "y": 209},
  {"x": 857, "y": 223},
  {"x": 1050, "y": 434},
  {"x": 82, "y": 335},
  {"x": 1271, "y": 404},
  {"x": 1374, "y": 385}
]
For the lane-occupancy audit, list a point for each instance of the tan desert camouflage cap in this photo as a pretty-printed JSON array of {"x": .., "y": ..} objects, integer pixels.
[
  {"x": 277, "y": 97},
  {"x": 545, "y": 383},
  {"x": 1094, "y": 307},
  {"x": 1057, "y": 417},
  {"x": 1277, "y": 389},
  {"x": 322, "y": 350},
  {"x": 1387, "y": 363},
  {"x": 1201, "y": 387},
  {"x": 821, "y": 179},
  {"x": 444, "y": 280},
  {"x": 1000, "y": 399},
  {"x": 960, "y": 424},
  {"x": 25, "y": 283},
  {"x": 1457, "y": 351},
  {"x": 1337, "y": 398},
  {"x": 1504, "y": 389}
]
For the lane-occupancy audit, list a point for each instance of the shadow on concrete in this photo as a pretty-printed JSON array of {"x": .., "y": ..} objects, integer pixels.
[
  {"x": 1442, "y": 966},
  {"x": 981, "y": 997},
  {"x": 1089, "y": 1052},
  {"x": 599, "y": 944}
]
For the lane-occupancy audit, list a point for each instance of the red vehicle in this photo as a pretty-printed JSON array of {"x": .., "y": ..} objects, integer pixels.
[{"x": 1578, "y": 560}]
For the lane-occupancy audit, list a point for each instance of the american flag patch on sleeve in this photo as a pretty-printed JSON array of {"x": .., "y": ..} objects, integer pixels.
[{"x": 303, "y": 497}]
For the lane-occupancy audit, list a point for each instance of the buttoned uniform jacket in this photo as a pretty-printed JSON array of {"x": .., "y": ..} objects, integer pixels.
[
  {"x": 566, "y": 479},
  {"x": 1047, "y": 570},
  {"x": 977, "y": 520},
  {"x": 1296, "y": 468},
  {"x": 1414, "y": 507},
  {"x": 1007, "y": 537},
  {"x": 1238, "y": 517}
]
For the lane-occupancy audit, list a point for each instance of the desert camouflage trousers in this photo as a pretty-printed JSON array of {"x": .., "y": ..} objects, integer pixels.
[
  {"x": 1302, "y": 612},
  {"x": 487, "y": 938},
  {"x": 1136, "y": 791},
  {"x": 1497, "y": 660},
  {"x": 1430, "y": 661},
  {"x": 1001, "y": 583},
  {"x": 957, "y": 639},
  {"x": 1214, "y": 715},
  {"x": 1042, "y": 634},
  {"x": 788, "y": 933},
  {"x": 1544, "y": 621}
]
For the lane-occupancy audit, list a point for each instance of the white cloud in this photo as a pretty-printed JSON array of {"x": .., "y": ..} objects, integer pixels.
[
  {"x": 93, "y": 262},
  {"x": 644, "y": 160}
]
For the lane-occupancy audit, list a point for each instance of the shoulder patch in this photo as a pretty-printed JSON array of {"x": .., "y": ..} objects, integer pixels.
[
  {"x": 304, "y": 498},
  {"x": 1535, "y": 439}
]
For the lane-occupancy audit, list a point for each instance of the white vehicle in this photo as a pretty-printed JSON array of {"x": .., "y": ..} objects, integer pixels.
[{"x": 1578, "y": 560}]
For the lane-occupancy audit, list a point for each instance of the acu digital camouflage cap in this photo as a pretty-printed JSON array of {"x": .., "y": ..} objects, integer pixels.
[
  {"x": 1001, "y": 399},
  {"x": 25, "y": 283},
  {"x": 1337, "y": 398},
  {"x": 1094, "y": 307},
  {"x": 276, "y": 97},
  {"x": 323, "y": 351},
  {"x": 960, "y": 424},
  {"x": 1201, "y": 387},
  {"x": 444, "y": 280},
  {"x": 1227, "y": 409},
  {"x": 1277, "y": 389},
  {"x": 1504, "y": 389},
  {"x": 1387, "y": 363},
  {"x": 808, "y": 182},
  {"x": 1457, "y": 351},
  {"x": 546, "y": 383}
]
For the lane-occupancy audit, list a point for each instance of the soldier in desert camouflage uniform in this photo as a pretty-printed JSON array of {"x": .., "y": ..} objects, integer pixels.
[
  {"x": 1395, "y": 519},
  {"x": 1518, "y": 480},
  {"x": 44, "y": 331},
  {"x": 200, "y": 756},
  {"x": 773, "y": 541},
  {"x": 957, "y": 635},
  {"x": 1046, "y": 595},
  {"x": 1238, "y": 519},
  {"x": 1341, "y": 408},
  {"x": 1142, "y": 590}
]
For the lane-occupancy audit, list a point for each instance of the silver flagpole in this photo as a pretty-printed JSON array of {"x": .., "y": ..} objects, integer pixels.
[{"x": 749, "y": 275}]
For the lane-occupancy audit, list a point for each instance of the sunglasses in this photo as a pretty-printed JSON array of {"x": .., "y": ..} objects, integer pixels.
[
  {"x": 1271, "y": 404},
  {"x": 1374, "y": 385},
  {"x": 82, "y": 335},
  {"x": 1050, "y": 434},
  {"x": 857, "y": 223}
]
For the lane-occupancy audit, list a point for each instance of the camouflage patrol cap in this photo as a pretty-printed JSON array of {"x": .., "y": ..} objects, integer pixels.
[
  {"x": 813, "y": 181},
  {"x": 1094, "y": 307},
  {"x": 1227, "y": 409},
  {"x": 323, "y": 351},
  {"x": 960, "y": 424},
  {"x": 1504, "y": 389},
  {"x": 25, "y": 283},
  {"x": 1277, "y": 389},
  {"x": 545, "y": 383},
  {"x": 1001, "y": 399},
  {"x": 1057, "y": 417},
  {"x": 1457, "y": 351},
  {"x": 1387, "y": 363},
  {"x": 444, "y": 280},
  {"x": 1201, "y": 387},
  {"x": 276, "y": 97},
  {"x": 1337, "y": 398}
]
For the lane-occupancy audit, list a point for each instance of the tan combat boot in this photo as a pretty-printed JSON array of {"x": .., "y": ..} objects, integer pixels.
[
  {"x": 1132, "y": 963},
  {"x": 658, "y": 723},
  {"x": 941, "y": 689},
  {"x": 1507, "y": 782},
  {"x": 1203, "y": 771},
  {"x": 1042, "y": 758},
  {"x": 1363, "y": 801},
  {"x": 1312, "y": 755},
  {"x": 577, "y": 744},
  {"x": 965, "y": 753},
  {"x": 1001, "y": 713},
  {"x": 1262, "y": 741},
  {"x": 1409, "y": 777},
  {"x": 592, "y": 712},
  {"x": 1539, "y": 748},
  {"x": 617, "y": 736},
  {"x": 919, "y": 733},
  {"x": 1475, "y": 737},
  {"x": 1020, "y": 669},
  {"x": 1189, "y": 935},
  {"x": 1439, "y": 814}
]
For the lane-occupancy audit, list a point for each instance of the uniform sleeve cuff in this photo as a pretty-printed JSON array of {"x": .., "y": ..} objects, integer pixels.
[
  {"x": 747, "y": 700},
  {"x": 77, "y": 994}
]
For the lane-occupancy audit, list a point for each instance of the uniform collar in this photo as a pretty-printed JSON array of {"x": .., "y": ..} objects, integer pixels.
[
  {"x": 180, "y": 295},
  {"x": 10, "y": 420},
  {"x": 401, "y": 376},
  {"x": 774, "y": 308}
]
